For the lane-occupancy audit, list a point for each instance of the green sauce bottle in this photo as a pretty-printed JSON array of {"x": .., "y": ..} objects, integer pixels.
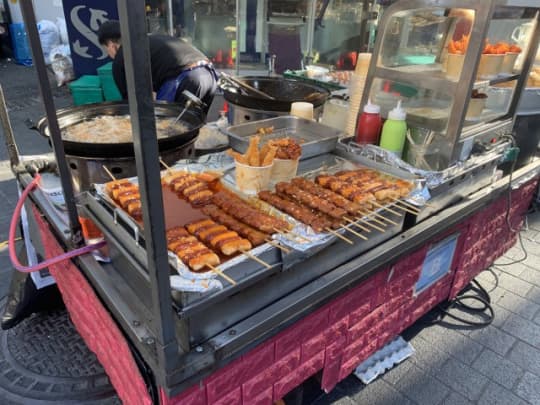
[{"x": 394, "y": 132}]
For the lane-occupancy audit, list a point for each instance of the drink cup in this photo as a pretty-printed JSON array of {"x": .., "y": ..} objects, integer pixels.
[{"x": 302, "y": 109}]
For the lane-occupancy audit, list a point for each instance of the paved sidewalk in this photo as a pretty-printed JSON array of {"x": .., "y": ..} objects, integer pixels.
[{"x": 499, "y": 364}]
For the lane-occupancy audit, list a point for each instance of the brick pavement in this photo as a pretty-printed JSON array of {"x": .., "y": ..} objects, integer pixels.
[{"x": 499, "y": 364}]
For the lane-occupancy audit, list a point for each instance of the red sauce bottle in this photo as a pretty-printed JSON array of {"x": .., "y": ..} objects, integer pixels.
[{"x": 369, "y": 125}]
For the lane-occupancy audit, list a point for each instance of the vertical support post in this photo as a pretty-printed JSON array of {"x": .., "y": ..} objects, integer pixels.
[
  {"x": 8, "y": 131},
  {"x": 30, "y": 24},
  {"x": 311, "y": 10},
  {"x": 237, "y": 37},
  {"x": 170, "y": 23},
  {"x": 141, "y": 107}
]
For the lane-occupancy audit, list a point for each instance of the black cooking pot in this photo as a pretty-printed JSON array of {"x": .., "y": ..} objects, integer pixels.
[
  {"x": 285, "y": 91},
  {"x": 74, "y": 115}
]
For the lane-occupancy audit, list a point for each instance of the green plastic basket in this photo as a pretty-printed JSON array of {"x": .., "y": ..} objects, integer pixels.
[
  {"x": 110, "y": 90},
  {"x": 86, "y": 90}
]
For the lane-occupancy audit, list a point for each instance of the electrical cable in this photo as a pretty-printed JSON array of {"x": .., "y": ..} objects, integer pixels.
[
  {"x": 13, "y": 230},
  {"x": 482, "y": 296}
]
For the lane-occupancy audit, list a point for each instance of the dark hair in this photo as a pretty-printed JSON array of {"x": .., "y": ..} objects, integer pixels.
[{"x": 109, "y": 31}]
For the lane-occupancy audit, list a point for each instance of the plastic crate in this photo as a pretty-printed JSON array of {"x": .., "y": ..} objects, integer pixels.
[
  {"x": 86, "y": 90},
  {"x": 21, "y": 49},
  {"x": 110, "y": 90}
]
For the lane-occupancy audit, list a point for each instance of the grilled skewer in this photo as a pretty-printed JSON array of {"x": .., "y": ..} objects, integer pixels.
[
  {"x": 219, "y": 237},
  {"x": 310, "y": 200},
  {"x": 244, "y": 212},
  {"x": 254, "y": 236},
  {"x": 192, "y": 252},
  {"x": 295, "y": 210},
  {"x": 336, "y": 199}
]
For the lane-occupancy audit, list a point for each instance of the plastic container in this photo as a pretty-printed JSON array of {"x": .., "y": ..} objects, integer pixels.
[
  {"x": 86, "y": 90},
  {"x": 110, "y": 90},
  {"x": 302, "y": 109},
  {"x": 51, "y": 186},
  {"x": 369, "y": 125},
  {"x": 394, "y": 132},
  {"x": 252, "y": 179},
  {"x": 21, "y": 48}
]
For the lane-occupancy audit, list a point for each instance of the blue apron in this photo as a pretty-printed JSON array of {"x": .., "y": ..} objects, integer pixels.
[{"x": 167, "y": 91}]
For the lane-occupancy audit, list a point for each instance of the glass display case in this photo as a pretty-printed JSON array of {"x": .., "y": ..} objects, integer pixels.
[{"x": 455, "y": 65}]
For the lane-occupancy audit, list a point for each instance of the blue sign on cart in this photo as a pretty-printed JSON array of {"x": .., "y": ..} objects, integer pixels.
[
  {"x": 83, "y": 21},
  {"x": 437, "y": 262}
]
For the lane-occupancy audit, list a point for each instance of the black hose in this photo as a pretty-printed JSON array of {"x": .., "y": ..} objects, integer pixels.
[{"x": 481, "y": 296}]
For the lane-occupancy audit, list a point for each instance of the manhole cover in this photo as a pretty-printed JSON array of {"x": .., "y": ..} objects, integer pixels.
[{"x": 44, "y": 359}]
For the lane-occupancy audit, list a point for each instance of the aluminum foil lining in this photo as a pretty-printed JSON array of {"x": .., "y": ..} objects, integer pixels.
[
  {"x": 433, "y": 179},
  {"x": 302, "y": 237},
  {"x": 179, "y": 283},
  {"x": 192, "y": 281}
]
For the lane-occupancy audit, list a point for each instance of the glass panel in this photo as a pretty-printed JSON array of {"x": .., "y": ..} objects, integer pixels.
[
  {"x": 343, "y": 28},
  {"x": 419, "y": 40},
  {"x": 156, "y": 16},
  {"x": 425, "y": 108},
  {"x": 490, "y": 102},
  {"x": 210, "y": 25},
  {"x": 511, "y": 31}
]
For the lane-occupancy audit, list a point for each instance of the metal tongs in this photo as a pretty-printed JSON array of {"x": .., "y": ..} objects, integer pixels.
[
  {"x": 242, "y": 86},
  {"x": 191, "y": 100}
]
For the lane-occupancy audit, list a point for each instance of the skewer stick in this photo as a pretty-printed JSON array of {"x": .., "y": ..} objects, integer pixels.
[
  {"x": 165, "y": 165},
  {"x": 372, "y": 225},
  {"x": 108, "y": 172},
  {"x": 347, "y": 228},
  {"x": 287, "y": 233},
  {"x": 255, "y": 258},
  {"x": 394, "y": 203},
  {"x": 357, "y": 224},
  {"x": 408, "y": 205},
  {"x": 277, "y": 245},
  {"x": 376, "y": 204},
  {"x": 220, "y": 273},
  {"x": 337, "y": 235},
  {"x": 377, "y": 215}
]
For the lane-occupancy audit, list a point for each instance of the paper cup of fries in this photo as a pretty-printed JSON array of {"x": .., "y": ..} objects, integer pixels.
[
  {"x": 252, "y": 179},
  {"x": 490, "y": 66},
  {"x": 454, "y": 65},
  {"x": 284, "y": 170},
  {"x": 508, "y": 62}
]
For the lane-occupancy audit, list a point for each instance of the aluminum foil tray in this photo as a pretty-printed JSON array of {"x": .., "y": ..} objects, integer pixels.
[
  {"x": 377, "y": 227},
  {"x": 194, "y": 286},
  {"x": 316, "y": 139}
]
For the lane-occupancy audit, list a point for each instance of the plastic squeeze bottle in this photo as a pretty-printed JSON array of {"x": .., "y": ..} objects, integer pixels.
[
  {"x": 394, "y": 131},
  {"x": 369, "y": 125}
]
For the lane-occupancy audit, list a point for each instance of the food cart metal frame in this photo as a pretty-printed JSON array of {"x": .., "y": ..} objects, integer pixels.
[{"x": 155, "y": 332}]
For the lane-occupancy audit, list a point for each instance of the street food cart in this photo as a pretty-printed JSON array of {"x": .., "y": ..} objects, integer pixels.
[{"x": 311, "y": 300}]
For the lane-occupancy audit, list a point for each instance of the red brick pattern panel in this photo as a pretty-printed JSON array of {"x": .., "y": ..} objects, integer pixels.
[
  {"x": 489, "y": 236},
  {"x": 95, "y": 324},
  {"x": 334, "y": 339}
]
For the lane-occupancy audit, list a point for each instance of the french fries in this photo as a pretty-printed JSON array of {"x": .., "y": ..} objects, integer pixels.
[{"x": 255, "y": 155}]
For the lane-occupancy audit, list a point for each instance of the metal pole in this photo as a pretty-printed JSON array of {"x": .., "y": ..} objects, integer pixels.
[
  {"x": 237, "y": 37},
  {"x": 8, "y": 131},
  {"x": 170, "y": 23},
  {"x": 141, "y": 107},
  {"x": 29, "y": 18}
]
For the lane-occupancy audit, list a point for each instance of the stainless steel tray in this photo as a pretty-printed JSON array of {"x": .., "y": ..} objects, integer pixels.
[{"x": 316, "y": 139}]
